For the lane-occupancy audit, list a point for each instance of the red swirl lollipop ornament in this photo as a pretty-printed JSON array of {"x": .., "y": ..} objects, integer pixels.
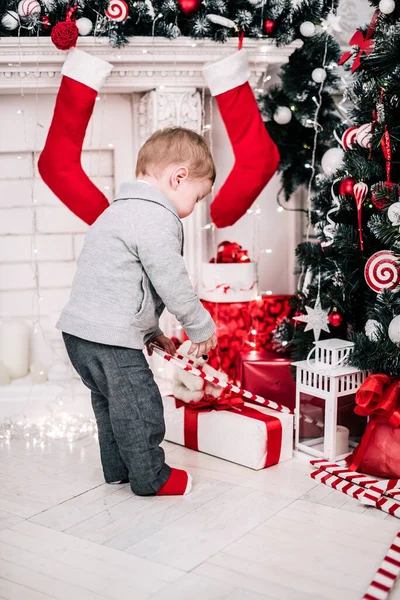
[
  {"x": 382, "y": 271},
  {"x": 360, "y": 192},
  {"x": 117, "y": 10}
]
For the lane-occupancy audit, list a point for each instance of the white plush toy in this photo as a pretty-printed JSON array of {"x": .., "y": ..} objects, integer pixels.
[{"x": 189, "y": 388}]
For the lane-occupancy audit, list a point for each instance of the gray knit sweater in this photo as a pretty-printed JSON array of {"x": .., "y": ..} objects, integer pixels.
[{"x": 130, "y": 268}]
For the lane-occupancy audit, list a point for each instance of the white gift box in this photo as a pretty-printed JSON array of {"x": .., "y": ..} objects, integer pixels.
[
  {"x": 228, "y": 282},
  {"x": 232, "y": 436}
]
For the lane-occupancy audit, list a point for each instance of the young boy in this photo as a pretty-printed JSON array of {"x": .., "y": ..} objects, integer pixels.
[{"x": 130, "y": 268}]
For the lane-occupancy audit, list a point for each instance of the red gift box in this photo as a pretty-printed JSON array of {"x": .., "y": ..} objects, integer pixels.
[
  {"x": 244, "y": 326},
  {"x": 268, "y": 375}
]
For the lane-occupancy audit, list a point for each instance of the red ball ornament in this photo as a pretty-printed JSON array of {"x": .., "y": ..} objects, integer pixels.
[
  {"x": 335, "y": 318},
  {"x": 269, "y": 26},
  {"x": 347, "y": 187},
  {"x": 189, "y": 6},
  {"x": 65, "y": 33}
]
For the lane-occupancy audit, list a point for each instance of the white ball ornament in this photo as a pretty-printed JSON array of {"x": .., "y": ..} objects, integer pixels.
[
  {"x": 373, "y": 329},
  {"x": 364, "y": 135},
  {"x": 28, "y": 8},
  {"x": 318, "y": 75},
  {"x": 394, "y": 330},
  {"x": 282, "y": 115},
  {"x": 307, "y": 29},
  {"x": 10, "y": 20},
  {"x": 393, "y": 213},
  {"x": 84, "y": 25},
  {"x": 332, "y": 160},
  {"x": 387, "y": 6}
]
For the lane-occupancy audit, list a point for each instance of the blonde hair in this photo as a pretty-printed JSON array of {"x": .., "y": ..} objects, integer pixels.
[{"x": 176, "y": 145}]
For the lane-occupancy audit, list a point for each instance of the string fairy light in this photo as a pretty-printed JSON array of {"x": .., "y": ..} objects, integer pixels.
[{"x": 317, "y": 127}]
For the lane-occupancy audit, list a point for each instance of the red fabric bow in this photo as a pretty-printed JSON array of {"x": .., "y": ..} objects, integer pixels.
[
  {"x": 231, "y": 252},
  {"x": 208, "y": 403},
  {"x": 236, "y": 404},
  {"x": 364, "y": 43},
  {"x": 379, "y": 399}
]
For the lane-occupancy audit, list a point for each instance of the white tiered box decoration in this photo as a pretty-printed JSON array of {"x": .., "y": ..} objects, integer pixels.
[
  {"x": 228, "y": 282},
  {"x": 325, "y": 398}
]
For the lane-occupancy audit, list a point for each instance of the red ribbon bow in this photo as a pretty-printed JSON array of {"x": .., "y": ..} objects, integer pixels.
[
  {"x": 364, "y": 43},
  {"x": 236, "y": 404},
  {"x": 231, "y": 252},
  {"x": 379, "y": 399}
]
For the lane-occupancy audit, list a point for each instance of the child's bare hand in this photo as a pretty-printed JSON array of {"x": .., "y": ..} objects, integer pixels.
[
  {"x": 203, "y": 347},
  {"x": 164, "y": 342}
]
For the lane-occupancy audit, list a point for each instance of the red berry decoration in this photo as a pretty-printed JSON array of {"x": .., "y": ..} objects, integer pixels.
[
  {"x": 335, "y": 318},
  {"x": 46, "y": 22},
  {"x": 347, "y": 187},
  {"x": 269, "y": 26},
  {"x": 189, "y": 6}
]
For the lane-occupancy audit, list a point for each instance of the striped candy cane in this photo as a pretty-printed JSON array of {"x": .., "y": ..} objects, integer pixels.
[
  {"x": 385, "y": 577},
  {"x": 375, "y": 489},
  {"x": 188, "y": 365},
  {"x": 337, "y": 483}
]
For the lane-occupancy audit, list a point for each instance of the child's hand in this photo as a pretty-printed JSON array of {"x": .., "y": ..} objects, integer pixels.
[
  {"x": 165, "y": 342},
  {"x": 204, "y": 347}
]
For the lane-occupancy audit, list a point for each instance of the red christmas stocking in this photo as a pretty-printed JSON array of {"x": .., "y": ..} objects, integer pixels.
[
  {"x": 60, "y": 162},
  {"x": 256, "y": 155}
]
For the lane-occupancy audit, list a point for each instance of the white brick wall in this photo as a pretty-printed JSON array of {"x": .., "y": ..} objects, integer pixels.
[
  {"x": 108, "y": 158},
  {"x": 49, "y": 247},
  {"x": 58, "y": 242}
]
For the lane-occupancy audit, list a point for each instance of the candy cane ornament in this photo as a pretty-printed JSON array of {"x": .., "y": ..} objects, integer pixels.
[
  {"x": 188, "y": 365},
  {"x": 360, "y": 193},
  {"x": 349, "y": 138}
]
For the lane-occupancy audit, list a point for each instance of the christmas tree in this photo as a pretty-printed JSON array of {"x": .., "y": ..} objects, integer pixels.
[
  {"x": 350, "y": 279},
  {"x": 302, "y": 104}
]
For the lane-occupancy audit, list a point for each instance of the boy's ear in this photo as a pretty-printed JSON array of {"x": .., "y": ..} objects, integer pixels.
[{"x": 180, "y": 174}]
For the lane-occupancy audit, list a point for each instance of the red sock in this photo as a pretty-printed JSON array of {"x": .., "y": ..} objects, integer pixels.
[
  {"x": 256, "y": 155},
  {"x": 178, "y": 484},
  {"x": 60, "y": 162}
]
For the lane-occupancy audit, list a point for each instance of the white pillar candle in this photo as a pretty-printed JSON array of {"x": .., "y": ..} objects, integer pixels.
[
  {"x": 342, "y": 440},
  {"x": 38, "y": 373},
  {"x": 14, "y": 348},
  {"x": 5, "y": 378}
]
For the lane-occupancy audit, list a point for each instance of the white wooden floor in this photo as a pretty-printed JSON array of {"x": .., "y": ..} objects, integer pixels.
[{"x": 240, "y": 535}]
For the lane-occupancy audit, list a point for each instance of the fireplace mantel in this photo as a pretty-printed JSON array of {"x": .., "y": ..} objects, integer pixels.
[{"x": 144, "y": 64}]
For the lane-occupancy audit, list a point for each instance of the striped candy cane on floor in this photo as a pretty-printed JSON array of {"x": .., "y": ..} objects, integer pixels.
[
  {"x": 385, "y": 577},
  {"x": 378, "y": 493},
  {"x": 188, "y": 365}
]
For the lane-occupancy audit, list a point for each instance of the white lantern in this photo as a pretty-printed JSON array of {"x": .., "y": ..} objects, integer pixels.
[
  {"x": 307, "y": 29},
  {"x": 326, "y": 424},
  {"x": 282, "y": 115}
]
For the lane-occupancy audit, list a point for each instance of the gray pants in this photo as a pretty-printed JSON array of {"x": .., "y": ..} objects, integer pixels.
[{"x": 129, "y": 412}]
